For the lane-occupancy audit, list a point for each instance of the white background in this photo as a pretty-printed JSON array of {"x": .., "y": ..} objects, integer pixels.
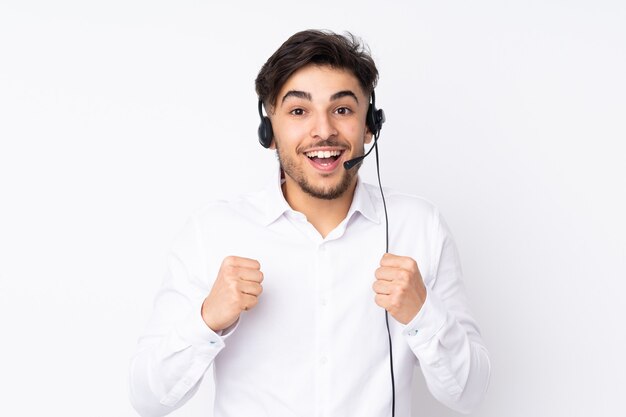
[{"x": 119, "y": 118}]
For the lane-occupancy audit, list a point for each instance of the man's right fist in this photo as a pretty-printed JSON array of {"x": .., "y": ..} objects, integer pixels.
[{"x": 236, "y": 289}]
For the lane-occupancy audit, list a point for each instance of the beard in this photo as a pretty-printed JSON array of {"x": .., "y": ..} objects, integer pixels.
[{"x": 291, "y": 168}]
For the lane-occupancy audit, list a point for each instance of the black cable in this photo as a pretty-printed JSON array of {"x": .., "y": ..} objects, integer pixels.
[
  {"x": 393, "y": 382},
  {"x": 383, "y": 197}
]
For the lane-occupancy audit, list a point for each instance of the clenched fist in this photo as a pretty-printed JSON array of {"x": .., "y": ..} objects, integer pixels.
[
  {"x": 399, "y": 287},
  {"x": 236, "y": 289}
]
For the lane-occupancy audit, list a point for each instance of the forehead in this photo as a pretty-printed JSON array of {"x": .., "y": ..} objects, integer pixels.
[{"x": 321, "y": 81}]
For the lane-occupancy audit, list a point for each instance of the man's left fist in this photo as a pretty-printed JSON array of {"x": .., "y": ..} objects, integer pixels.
[{"x": 399, "y": 287}]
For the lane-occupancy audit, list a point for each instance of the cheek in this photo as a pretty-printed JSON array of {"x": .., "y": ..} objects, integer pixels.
[
  {"x": 289, "y": 131},
  {"x": 355, "y": 132}
]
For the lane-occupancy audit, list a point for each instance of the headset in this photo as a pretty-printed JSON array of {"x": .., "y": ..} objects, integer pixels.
[{"x": 374, "y": 121}]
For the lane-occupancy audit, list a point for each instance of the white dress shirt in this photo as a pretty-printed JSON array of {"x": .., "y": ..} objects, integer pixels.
[{"x": 316, "y": 344}]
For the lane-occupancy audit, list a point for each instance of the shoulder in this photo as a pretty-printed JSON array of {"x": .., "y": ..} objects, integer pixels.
[
  {"x": 238, "y": 208},
  {"x": 218, "y": 220},
  {"x": 403, "y": 203}
]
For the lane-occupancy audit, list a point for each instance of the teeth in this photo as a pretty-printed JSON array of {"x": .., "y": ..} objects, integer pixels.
[{"x": 322, "y": 154}]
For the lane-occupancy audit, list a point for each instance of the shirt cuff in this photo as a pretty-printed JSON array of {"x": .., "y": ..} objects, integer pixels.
[
  {"x": 195, "y": 331},
  {"x": 229, "y": 330},
  {"x": 427, "y": 323}
]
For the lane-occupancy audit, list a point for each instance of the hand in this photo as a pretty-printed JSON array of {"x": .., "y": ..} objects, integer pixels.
[
  {"x": 236, "y": 289},
  {"x": 399, "y": 287}
]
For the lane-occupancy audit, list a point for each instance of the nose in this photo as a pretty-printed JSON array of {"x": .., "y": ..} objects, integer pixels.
[{"x": 323, "y": 127}]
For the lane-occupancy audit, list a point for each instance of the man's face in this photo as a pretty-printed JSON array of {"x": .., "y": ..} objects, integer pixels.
[{"x": 318, "y": 124}]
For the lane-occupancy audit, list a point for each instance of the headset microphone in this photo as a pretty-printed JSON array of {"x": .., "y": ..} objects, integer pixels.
[{"x": 351, "y": 163}]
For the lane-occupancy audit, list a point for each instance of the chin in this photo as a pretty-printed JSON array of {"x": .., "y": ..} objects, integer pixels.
[{"x": 328, "y": 192}]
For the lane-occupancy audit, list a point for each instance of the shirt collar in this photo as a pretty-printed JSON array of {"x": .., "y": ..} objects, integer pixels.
[
  {"x": 276, "y": 205},
  {"x": 363, "y": 202}
]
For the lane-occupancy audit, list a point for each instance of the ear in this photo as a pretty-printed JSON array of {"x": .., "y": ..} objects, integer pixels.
[{"x": 368, "y": 135}]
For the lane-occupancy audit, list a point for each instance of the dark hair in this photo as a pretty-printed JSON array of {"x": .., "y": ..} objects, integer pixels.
[{"x": 320, "y": 48}]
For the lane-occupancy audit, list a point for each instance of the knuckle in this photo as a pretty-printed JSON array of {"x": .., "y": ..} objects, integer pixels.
[
  {"x": 235, "y": 300},
  {"x": 404, "y": 275},
  {"x": 228, "y": 269},
  {"x": 234, "y": 286},
  {"x": 235, "y": 289}
]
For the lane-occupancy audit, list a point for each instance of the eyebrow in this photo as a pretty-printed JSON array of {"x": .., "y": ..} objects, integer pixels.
[
  {"x": 298, "y": 94},
  {"x": 344, "y": 93},
  {"x": 307, "y": 96}
]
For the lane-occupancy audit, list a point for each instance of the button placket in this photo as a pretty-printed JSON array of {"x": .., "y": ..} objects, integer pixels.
[{"x": 323, "y": 317}]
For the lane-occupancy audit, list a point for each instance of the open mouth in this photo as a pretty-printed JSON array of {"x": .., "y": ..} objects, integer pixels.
[{"x": 324, "y": 159}]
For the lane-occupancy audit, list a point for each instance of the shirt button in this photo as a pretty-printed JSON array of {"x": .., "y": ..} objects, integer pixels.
[
  {"x": 413, "y": 332},
  {"x": 323, "y": 301},
  {"x": 323, "y": 360}
]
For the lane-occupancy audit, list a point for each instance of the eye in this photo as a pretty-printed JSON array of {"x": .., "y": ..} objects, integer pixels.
[
  {"x": 297, "y": 112},
  {"x": 343, "y": 111}
]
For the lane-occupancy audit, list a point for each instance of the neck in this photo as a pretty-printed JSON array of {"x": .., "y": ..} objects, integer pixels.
[{"x": 324, "y": 215}]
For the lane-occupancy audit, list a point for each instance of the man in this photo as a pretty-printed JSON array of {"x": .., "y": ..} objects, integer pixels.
[{"x": 284, "y": 291}]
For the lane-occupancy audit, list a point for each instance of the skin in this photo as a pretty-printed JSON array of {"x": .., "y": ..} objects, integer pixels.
[
  {"x": 318, "y": 108},
  {"x": 236, "y": 289}
]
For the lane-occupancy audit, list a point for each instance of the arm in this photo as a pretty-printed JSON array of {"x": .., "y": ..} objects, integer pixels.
[
  {"x": 177, "y": 347},
  {"x": 438, "y": 325},
  {"x": 188, "y": 328}
]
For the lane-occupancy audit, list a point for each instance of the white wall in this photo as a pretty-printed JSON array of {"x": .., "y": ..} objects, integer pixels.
[{"x": 119, "y": 118}]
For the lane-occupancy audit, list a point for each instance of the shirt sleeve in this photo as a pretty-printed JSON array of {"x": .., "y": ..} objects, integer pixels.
[
  {"x": 177, "y": 347},
  {"x": 444, "y": 336}
]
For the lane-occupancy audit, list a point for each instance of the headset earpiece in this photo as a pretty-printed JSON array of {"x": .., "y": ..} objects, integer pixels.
[
  {"x": 375, "y": 117},
  {"x": 265, "y": 128}
]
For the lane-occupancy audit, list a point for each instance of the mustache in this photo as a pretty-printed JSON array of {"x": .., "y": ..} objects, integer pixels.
[{"x": 325, "y": 143}]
